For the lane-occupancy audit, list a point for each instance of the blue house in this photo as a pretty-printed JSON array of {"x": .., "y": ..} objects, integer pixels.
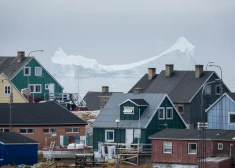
[
  {"x": 221, "y": 114},
  {"x": 17, "y": 149}
]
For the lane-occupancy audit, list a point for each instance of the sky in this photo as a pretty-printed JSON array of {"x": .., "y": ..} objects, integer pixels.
[{"x": 120, "y": 31}]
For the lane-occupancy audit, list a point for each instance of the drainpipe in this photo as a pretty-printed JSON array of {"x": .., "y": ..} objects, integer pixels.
[{"x": 230, "y": 150}]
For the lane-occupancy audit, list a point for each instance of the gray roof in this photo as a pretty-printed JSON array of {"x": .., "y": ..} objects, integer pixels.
[
  {"x": 181, "y": 86},
  {"x": 10, "y": 67},
  {"x": 15, "y": 138},
  {"x": 193, "y": 134},
  {"x": 231, "y": 95},
  {"x": 92, "y": 99},
  {"x": 140, "y": 102},
  {"x": 111, "y": 110},
  {"x": 37, "y": 114}
]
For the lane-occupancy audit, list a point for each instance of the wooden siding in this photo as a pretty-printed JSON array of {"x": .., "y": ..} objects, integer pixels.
[
  {"x": 5, "y": 98},
  {"x": 21, "y": 81},
  {"x": 99, "y": 136},
  {"x": 194, "y": 112},
  {"x": 218, "y": 115},
  {"x": 134, "y": 116},
  {"x": 156, "y": 124},
  {"x": 180, "y": 151}
]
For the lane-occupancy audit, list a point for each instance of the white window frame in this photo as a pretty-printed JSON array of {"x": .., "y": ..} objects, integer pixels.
[
  {"x": 3, "y": 129},
  {"x": 220, "y": 146},
  {"x": 107, "y": 140},
  {"x": 164, "y": 147},
  {"x": 50, "y": 131},
  {"x": 161, "y": 108},
  {"x": 192, "y": 153},
  {"x": 72, "y": 130},
  {"x": 169, "y": 108},
  {"x": 29, "y": 71},
  {"x": 26, "y": 130},
  {"x": 36, "y": 71},
  {"x": 34, "y": 88},
  {"x": 217, "y": 86},
  {"x": 229, "y": 121},
  {"x": 7, "y": 89},
  {"x": 207, "y": 88},
  {"x": 128, "y": 110}
]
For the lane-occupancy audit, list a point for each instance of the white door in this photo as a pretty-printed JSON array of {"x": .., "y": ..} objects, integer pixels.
[
  {"x": 129, "y": 136},
  {"x": 51, "y": 88}
]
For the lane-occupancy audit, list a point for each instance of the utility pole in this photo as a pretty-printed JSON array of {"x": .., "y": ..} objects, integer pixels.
[{"x": 10, "y": 114}]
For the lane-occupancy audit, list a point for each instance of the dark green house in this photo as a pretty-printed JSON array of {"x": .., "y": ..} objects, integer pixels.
[
  {"x": 27, "y": 72},
  {"x": 140, "y": 115}
]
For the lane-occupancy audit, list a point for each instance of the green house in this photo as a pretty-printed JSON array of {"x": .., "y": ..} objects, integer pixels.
[
  {"x": 27, "y": 72},
  {"x": 140, "y": 115}
]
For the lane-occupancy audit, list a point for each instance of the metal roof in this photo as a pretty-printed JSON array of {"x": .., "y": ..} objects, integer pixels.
[
  {"x": 10, "y": 67},
  {"x": 49, "y": 113},
  {"x": 15, "y": 138},
  {"x": 140, "y": 102},
  {"x": 111, "y": 110},
  {"x": 181, "y": 86},
  {"x": 193, "y": 134}
]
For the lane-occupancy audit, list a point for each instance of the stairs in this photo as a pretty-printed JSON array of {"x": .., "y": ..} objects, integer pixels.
[{"x": 49, "y": 156}]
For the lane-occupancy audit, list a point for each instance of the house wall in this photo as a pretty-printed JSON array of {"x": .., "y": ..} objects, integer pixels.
[
  {"x": 179, "y": 152},
  {"x": 218, "y": 115},
  {"x": 156, "y": 124},
  {"x": 39, "y": 136},
  {"x": 195, "y": 105},
  {"x": 99, "y": 136},
  {"x": 17, "y": 97},
  {"x": 19, "y": 154},
  {"x": 21, "y": 81}
]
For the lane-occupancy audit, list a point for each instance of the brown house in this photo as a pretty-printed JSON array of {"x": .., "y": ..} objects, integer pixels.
[
  {"x": 180, "y": 148},
  {"x": 41, "y": 121}
]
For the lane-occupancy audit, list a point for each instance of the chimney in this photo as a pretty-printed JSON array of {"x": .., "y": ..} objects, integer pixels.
[
  {"x": 105, "y": 89},
  {"x": 20, "y": 56},
  {"x": 169, "y": 70},
  {"x": 138, "y": 90},
  {"x": 151, "y": 73},
  {"x": 198, "y": 70}
]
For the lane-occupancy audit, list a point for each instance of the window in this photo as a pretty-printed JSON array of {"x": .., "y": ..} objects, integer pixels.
[
  {"x": 220, "y": 146},
  {"x": 192, "y": 148},
  {"x": 169, "y": 113},
  {"x": 27, "y": 71},
  {"x": 217, "y": 89},
  {"x": 38, "y": 71},
  {"x": 46, "y": 86},
  {"x": 208, "y": 90},
  {"x": 161, "y": 113},
  {"x": 49, "y": 130},
  {"x": 109, "y": 135},
  {"x": 231, "y": 118},
  {"x": 167, "y": 147},
  {"x": 4, "y": 130},
  {"x": 35, "y": 88},
  {"x": 7, "y": 89},
  {"x": 72, "y": 130},
  {"x": 26, "y": 131},
  {"x": 180, "y": 108},
  {"x": 128, "y": 110}
]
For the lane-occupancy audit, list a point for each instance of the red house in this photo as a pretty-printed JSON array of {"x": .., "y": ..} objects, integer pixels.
[{"x": 178, "y": 148}]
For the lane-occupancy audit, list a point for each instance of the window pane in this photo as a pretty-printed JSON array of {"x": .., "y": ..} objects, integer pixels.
[
  {"x": 26, "y": 71},
  {"x": 38, "y": 71},
  {"x": 232, "y": 118},
  {"x": 45, "y": 130},
  {"x": 208, "y": 89},
  {"x": 30, "y": 131},
  {"x": 169, "y": 113},
  {"x": 31, "y": 88},
  {"x": 217, "y": 89},
  {"x": 75, "y": 130},
  {"x": 38, "y": 88},
  {"x": 68, "y": 129},
  {"x": 6, "y": 130},
  {"x": 160, "y": 113},
  {"x": 53, "y": 130},
  {"x": 192, "y": 149},
  {"x": 22, "y": 131},
  {"x": 109, "y": 135}
]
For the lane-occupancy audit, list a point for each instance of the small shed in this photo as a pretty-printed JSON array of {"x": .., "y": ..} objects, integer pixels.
[{"x": 17, "y": 149}]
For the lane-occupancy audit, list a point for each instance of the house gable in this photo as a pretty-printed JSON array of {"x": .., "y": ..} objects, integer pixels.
[
  {"x": 132, "y": 109},
  {"x": 21, "y": 81}
]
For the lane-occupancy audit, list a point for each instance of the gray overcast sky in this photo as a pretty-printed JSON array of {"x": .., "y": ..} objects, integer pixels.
[{"x": 120, "y": 31}]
